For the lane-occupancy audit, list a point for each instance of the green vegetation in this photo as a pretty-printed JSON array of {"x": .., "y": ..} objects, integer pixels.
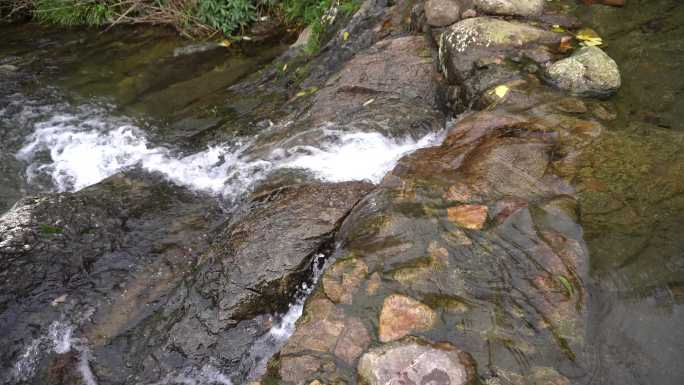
[
  {"x": 70, "y": 13},
  {"x": 196, "y": 18},
  {"x": 50, "y": 230},
  {"x": 316, "y": 14}
]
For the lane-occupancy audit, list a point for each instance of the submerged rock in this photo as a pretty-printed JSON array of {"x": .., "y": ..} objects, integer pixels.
[
  {"x": 415, "y": 361},
  {"x": 468, "y": 216},
  {"x": 401, "y": 316},
  {"x": 588, "y": 72}
]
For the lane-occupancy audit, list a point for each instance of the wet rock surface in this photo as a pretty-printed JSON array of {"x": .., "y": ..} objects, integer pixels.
[
  {"x": 250, "y": 271},
  {"x": 467, "y": 255},
  {"x": 401, "y": 316},
  {"x": 93, "y": 260},
  {"x": 486, "y": 223}
]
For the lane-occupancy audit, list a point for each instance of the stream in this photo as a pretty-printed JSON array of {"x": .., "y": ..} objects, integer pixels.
[{"x": 78, "y": 107}]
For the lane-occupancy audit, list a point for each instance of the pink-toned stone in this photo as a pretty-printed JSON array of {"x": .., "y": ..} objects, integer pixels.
[
  {"x": 468, "y": 216},
  {"x": 402, "y": 315},
  {"x": 416, "y": 361}
]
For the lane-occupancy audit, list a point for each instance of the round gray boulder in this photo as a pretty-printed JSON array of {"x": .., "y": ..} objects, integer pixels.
[
  {"x": 416, "y": 361},
  {"x": 588, "y": 72}
]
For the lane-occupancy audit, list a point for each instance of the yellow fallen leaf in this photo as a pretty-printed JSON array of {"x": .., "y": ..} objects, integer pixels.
[
  {"x": 225, "y": 43},
  {"x": 285, "y": 68},
  {"x": 301, "y": 93},
  {"x": 501, "y": 91},
  {"x": 589, "y": 37},
  {"x": 345, "y": 36},
  {"x": 592, "y": 43}
]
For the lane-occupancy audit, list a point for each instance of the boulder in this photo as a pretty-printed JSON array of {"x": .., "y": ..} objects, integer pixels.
[
  {"x": 440, "y": 13},
  {"x": 416, "y": 361},
  {"x": 524, "y": 8},
  {"x": 588, "y": 72},
  {"x": 471, "y": 40}
]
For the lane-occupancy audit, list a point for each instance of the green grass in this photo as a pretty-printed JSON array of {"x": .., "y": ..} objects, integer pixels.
[
  {"x": 72, "y": 13},
  {"x": 190, "y": 17}
]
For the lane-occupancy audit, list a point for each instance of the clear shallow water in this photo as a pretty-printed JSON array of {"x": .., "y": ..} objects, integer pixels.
[{"x": 632, "y": 198}]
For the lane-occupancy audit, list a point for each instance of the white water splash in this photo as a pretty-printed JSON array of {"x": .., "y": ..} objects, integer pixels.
[
  {"x": 357, "y": 156},
  {"x": 59, "y": 339},
  {"x": 271, "y": 342},
  {"x": 81, "y": 149}
]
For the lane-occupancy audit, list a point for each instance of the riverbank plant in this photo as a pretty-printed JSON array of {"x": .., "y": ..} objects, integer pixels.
[{"x": 196, "y": 18}]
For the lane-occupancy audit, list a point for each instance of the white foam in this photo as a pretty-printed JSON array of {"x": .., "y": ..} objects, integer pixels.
[
  {"x": 59, "y": 339},
  {"x": 357, "y": 156},
  {"x": 59, "y": 335},
  {"x": 271, "y": 342},
  {"x": 79, "y": 149}
]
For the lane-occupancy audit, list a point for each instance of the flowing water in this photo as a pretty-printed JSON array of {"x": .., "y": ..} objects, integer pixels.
[
  {"x": 70, "y": 118},
  {"x": 76, "y": 107}
]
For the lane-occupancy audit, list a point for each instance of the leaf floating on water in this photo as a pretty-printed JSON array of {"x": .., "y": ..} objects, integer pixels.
[
  {"x": 588, "y": 37},
  {"x": 501, "y": 91},
  {"x": 225, "y": 43},
  {"x": 345, "y": 36}
]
